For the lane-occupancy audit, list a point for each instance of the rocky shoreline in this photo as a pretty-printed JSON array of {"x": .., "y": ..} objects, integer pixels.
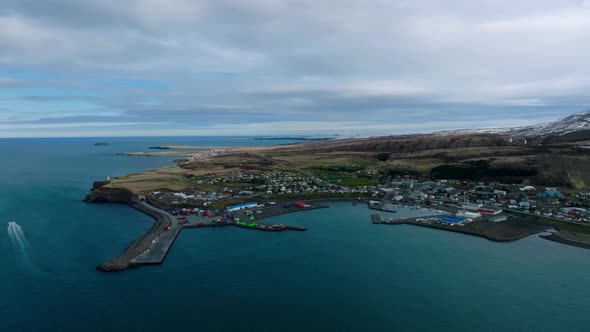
[{"x": 101, "y": 194}]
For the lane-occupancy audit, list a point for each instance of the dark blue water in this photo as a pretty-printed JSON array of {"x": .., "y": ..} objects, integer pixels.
[{"x": 343, "y": 274}]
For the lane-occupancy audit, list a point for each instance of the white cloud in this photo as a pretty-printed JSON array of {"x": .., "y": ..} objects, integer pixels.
[
  {"x": 34, "y": 126},
  {"x": 285, "y": 57},
  {"x": 9, "y": 82}
]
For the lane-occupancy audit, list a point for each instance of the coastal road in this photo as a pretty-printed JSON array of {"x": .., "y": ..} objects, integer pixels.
[{"x": 159, "y": 249}]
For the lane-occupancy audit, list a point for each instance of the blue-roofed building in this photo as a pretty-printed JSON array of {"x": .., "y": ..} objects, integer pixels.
[
  {"x": 238, "y": 207},
  {"x": 451, "y": 220},
  {"x": 551, "y": 192}
]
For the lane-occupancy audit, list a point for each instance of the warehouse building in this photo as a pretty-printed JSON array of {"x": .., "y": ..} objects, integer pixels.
[{"x": 238, "y": 207}]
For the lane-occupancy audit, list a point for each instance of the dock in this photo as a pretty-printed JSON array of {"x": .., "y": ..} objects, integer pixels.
[
  {"x": 161, "y": 246},
  {"x": 508, "y": 231},
  {"x": 269, "y": 227}
]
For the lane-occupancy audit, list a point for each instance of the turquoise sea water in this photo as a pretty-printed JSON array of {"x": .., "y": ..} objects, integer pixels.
[{"x": 343, "y": 274}]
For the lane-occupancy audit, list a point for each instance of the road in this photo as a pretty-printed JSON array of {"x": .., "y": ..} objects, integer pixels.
[{"x": 162, "y": 244}]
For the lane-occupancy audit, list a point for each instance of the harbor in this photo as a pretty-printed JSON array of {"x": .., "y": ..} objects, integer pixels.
[{"x": 153, "y": 247}]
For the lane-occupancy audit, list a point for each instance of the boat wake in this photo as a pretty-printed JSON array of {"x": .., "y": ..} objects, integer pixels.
[{"x": 17, "y": 237}]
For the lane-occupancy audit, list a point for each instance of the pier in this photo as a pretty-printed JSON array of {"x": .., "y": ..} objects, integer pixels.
[{"x": 162, "y": 244}]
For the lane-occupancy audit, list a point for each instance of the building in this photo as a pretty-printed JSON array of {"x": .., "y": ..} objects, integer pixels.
[
  {"x": 524, "y": 204},
  {"x": 451, "y": 220},
  {"x": 500, "y": 193},
  {"x": 499, "y": 218},
  {"x": 575, "y": 211},
  {"x": 471, "y": 207},
  {"x": 238, "y": 207},
  {"x": 551, "y": 192},
  {"x": 528, "y": 188},
  {"x": 467, "y": 214},
  {"x": 489, "y": 211}
]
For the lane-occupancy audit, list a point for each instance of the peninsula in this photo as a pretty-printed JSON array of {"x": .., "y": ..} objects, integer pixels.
[{"x": 498, "y": 185}]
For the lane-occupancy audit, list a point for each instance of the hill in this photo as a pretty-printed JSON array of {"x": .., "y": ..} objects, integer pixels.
[{"x": 551, "y": 154}]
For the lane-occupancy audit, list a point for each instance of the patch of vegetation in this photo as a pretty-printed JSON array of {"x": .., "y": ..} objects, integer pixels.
[
  {"x": 346, "y": 168},
  {"x": 258, "y": 181},
  {"x": 480, "y": 170},
  {"x": 346, "y": 175},
  {"x": 393, "y": 172},
  {"x": 382, "y": 156},
  {"x": 360, "y": 181},
  {"x": 456, "y": 172}
]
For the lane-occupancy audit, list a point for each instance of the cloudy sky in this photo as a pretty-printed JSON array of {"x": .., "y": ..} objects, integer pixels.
[{"x": 271, "y": 67}]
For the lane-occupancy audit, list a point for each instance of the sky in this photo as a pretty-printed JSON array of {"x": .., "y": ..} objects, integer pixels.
[{"x": 271, "y": 67}]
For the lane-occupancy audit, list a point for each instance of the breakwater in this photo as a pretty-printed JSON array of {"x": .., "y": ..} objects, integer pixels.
[
  {"x": 154, "y": 246},
  {"x": 125, "y": 260}
]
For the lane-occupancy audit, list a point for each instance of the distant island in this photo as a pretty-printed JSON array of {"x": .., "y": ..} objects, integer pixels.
[{"x": 293, "y": 138}]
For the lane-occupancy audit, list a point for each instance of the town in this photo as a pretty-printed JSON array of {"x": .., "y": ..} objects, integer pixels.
[{"x": 471, "y": 199}]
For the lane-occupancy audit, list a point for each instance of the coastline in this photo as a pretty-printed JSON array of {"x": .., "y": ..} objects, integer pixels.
[
  {"x": 558, "y": 239},
  {"x": 488, "y": 234}
]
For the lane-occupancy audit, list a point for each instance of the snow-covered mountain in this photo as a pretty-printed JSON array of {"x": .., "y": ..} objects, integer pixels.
[
  {"x": 574, "y": 123},
  {"x": 577, "y": 124}
]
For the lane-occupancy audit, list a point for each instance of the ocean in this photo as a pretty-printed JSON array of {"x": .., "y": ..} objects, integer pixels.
[{"x": 342, "y": 274}]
